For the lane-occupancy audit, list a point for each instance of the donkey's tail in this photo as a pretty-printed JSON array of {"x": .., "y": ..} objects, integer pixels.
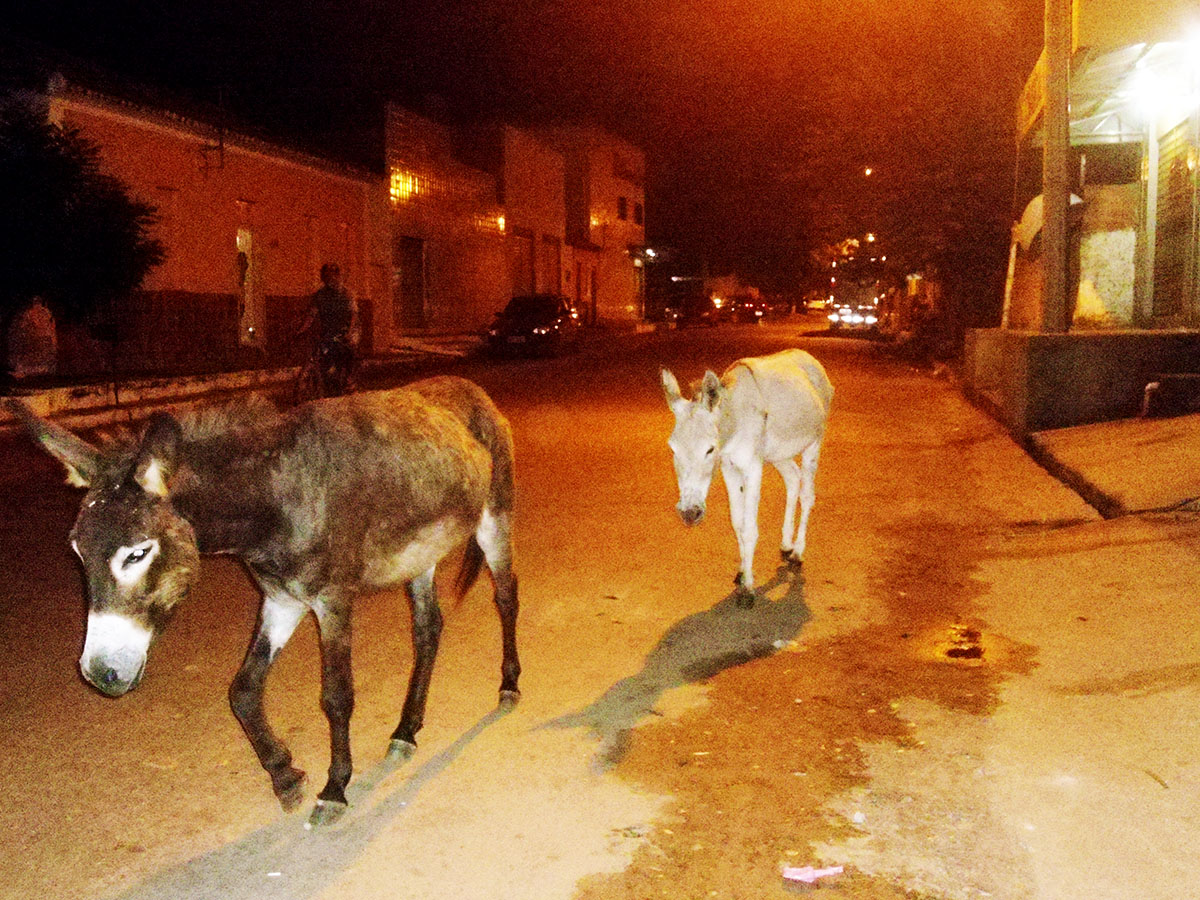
[{"x": 469, "y": 570}]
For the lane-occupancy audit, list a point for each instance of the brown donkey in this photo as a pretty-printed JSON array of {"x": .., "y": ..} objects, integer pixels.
[{"x": 322, "y": 503}]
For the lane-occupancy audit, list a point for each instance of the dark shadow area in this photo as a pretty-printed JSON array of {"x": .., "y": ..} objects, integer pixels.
[
  {"x": 304, "y": 862},
  {"x": 693, "y": 649}
]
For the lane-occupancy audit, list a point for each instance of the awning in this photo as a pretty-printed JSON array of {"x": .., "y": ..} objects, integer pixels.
[{"x": 1114, "y": 93}]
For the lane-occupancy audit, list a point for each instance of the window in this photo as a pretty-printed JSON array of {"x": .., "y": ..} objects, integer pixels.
[
  {"x": 404, "y": 185},
  {"x": 622, "y": 208},
  {"x": 637, "y": 214}
]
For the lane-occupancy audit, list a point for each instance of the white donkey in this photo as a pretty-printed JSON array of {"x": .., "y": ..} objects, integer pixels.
[{"x": 762, "y": 409}]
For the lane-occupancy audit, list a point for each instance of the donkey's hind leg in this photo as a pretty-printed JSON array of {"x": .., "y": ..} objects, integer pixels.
[
  {"x": 808, "y": 494},
  {"x": 791, "y": 481},
  {"x": 494, "y": 536},
  {"x": 427, "y": 631}
]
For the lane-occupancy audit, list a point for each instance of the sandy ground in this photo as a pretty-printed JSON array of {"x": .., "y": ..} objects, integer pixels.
[{"x": 977, "y": 689}]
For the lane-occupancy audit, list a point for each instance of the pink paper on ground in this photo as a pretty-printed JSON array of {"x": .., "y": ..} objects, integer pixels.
[{"x": 808, "y": 874}]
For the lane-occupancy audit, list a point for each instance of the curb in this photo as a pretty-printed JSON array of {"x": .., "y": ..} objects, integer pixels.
[{"x": 1107, "y": 506}]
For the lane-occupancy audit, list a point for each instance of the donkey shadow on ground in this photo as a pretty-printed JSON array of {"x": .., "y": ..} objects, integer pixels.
[
  {"x": 692, "y": 650},
  {"x": 281, "y": 861}
]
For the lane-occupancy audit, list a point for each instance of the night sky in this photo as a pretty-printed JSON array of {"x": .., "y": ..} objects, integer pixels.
[{"x": 758, "y": 117}]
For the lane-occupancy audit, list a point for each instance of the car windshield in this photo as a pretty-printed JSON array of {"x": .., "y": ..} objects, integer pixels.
[{"x": 529, "y": 307}]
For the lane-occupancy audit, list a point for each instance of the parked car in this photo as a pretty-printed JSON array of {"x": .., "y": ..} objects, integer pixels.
[
  {"x": 699, "y": 310},
  {"x": 535, "y": 324},
  {"x": 661, "y": 310},
  {"x": 749, "y": 309}
]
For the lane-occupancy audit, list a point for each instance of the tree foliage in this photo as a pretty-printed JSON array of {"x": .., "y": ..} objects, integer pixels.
[{"x": 72, "y": 235}]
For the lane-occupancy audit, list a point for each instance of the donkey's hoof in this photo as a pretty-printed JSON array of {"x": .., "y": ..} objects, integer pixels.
[
  {"x": 400, "y": 750},
  {"x": 289, "y": 789},
  {"x": 744, "y": 598},
  {"x": 509, "y": 700},
  {"x": 325, "y": 813}
]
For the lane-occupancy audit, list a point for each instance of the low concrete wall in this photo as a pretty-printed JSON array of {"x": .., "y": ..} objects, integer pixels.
[
  {"x": 106, "y": 403},
  {"x": 1033, "y": 381}
]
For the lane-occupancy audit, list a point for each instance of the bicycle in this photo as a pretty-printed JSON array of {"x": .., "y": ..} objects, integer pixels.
[{"x": 328, "y": 372}]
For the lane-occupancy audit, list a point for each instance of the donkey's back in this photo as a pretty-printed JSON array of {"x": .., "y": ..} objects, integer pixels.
[
  {"x": 377, "y": 487},
  {"x": 790, "y": 390}
]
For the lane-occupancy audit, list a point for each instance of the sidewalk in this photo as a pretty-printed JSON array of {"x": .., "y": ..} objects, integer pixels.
[{"x": 1127, "y": 466}]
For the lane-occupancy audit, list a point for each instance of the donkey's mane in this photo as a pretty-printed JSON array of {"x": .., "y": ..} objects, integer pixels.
[{"x": 209, "y": 422}]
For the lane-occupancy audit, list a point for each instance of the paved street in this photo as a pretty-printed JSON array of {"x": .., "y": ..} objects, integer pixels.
[{"x": 979, "y": 688}]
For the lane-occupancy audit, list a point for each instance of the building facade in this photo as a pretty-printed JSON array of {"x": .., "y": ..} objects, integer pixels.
[
  {"x": 454, "y": 225},
  {"x": 1131, "y": 310},
  {"x": 449, "y": 269},
  {"x": 605, "y": 222},
  {"x": 530, "y": 181},
  {"x": 246, "y": 226}
]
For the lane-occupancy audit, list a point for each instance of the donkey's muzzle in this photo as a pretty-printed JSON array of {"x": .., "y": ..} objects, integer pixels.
[
  {"x": 109, "y": 680},
  {"x": 691, "y": 515}
]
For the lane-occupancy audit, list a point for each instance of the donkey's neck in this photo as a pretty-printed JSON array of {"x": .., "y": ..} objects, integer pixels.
[{"x": 224, "y": 488}]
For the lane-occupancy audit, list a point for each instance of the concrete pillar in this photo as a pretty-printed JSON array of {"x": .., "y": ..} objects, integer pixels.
[{"x": 1056, "y": 183}]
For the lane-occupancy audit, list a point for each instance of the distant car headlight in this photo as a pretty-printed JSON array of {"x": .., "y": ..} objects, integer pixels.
[
  {"x": 543, "y": 329},
  {"x": 833, "y": 317},
  {"x": 856, "y": 319},
  {"x": 871, "y": 320}
]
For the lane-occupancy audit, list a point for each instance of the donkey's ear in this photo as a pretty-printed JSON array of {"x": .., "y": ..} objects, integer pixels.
[
  {"x": 81, "y": 460},
  {"x": 711, "y": 390},
  {"x": 671, "y": 388},
  {"x": 157, "y": 457}
]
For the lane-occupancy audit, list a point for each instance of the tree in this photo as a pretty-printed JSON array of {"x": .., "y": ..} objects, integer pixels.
[{"x": 72, "y": 235}]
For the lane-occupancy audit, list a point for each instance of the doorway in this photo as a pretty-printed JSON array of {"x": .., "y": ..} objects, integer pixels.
[
  {"x": 251, "y": 309},
  {"x": 408, "y": 283}
]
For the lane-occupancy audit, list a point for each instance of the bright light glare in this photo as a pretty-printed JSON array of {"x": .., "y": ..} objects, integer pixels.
[{"x": 1146, "y": 89}]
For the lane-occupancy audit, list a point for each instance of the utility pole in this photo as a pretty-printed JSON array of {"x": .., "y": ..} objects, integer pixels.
[{"x": 1056, "y": 184}]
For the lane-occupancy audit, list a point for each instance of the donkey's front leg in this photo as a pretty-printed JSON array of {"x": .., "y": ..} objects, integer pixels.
[
  {"x": 744, "y": 488},
  {"x": 337, "y": 702},
  {"x": 278, "y": 619},
  {"x": 427, "y": 631}
]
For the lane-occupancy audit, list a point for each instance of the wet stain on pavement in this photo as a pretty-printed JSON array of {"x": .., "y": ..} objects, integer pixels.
[{"x": 754, "y": 770}]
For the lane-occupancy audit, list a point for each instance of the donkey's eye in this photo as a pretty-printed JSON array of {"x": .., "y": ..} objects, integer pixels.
[
  {"x": 129, "y": 564},
  {"x": 709, "y": 451},
  {"x": 135, "y": 556}
]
